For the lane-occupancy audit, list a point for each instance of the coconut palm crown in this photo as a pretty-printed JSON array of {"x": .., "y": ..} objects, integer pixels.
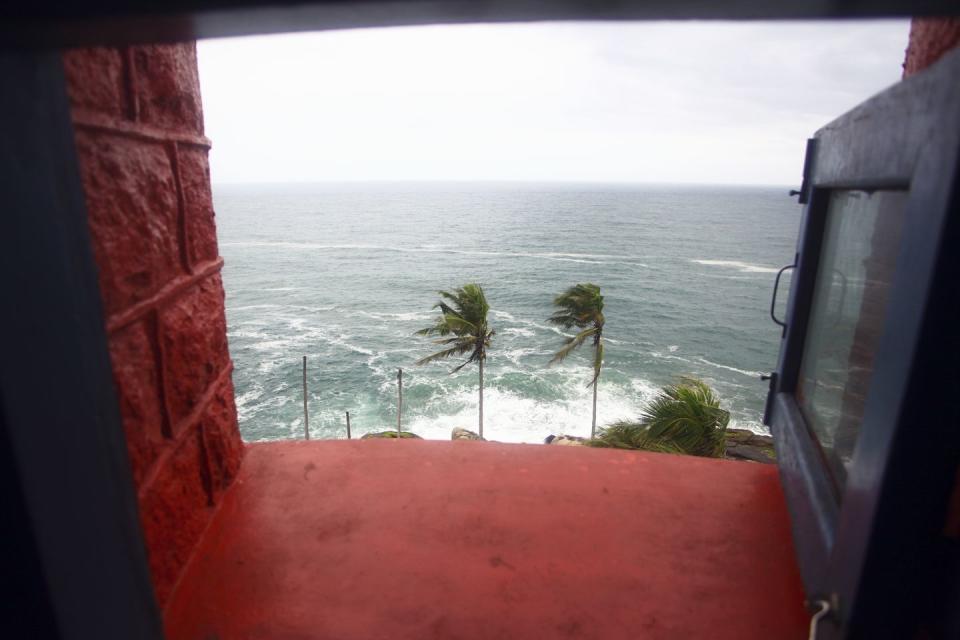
[
  {"x": 684, "y": 418},
  {"x": 581, "y": 306},
  {"x": 462, "y": 329}
]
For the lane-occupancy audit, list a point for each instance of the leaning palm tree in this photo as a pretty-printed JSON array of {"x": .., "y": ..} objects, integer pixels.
[
  {"x": 581, "y": 306},
  {"x": 462, "y": 328},
  {"x": 684, "y": 418}
]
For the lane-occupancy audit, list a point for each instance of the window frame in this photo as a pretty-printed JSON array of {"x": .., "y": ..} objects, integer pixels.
[{"x": 904, "y": 138}]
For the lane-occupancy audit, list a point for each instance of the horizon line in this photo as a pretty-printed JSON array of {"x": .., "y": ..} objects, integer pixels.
[{"x": 414, "y": 181}]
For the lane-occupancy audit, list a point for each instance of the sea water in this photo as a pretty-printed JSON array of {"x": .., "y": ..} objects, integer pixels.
[{"x": 345, "y": 274}]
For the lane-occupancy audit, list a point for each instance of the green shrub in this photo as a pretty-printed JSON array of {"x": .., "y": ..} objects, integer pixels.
[{"x": 684, "y": 418}]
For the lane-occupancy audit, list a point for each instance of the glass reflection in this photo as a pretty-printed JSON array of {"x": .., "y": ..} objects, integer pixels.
[{"x": 857, "y": 263}]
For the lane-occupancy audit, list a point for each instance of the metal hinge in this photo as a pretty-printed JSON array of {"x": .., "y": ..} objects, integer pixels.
[{"x": 804, "y": 190}]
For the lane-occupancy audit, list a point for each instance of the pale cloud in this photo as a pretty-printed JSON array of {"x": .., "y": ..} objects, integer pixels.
[{"x": 700, "y": 102}]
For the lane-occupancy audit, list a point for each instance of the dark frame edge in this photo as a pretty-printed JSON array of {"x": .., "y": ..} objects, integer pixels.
[{"x": 62, "y": 429}]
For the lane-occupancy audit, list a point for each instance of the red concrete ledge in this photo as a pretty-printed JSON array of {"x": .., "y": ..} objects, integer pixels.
[{"x": 428, "y": 539}]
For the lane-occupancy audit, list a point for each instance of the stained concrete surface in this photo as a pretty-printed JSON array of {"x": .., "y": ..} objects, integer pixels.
[{"x": 472, "y": 540}]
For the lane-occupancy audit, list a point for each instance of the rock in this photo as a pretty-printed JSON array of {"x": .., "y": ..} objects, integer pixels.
[
  {"x": 390, "y": 434},
  {"x": 459, "y": 433},
  {"x": 743, "y": 444},
  {"x": 567, "y": 441}
]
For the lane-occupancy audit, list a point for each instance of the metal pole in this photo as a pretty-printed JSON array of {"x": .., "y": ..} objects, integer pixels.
[
  {"x": 399, "y": 401},
  {"x": 348, "y": 425},
  {"x": 306, "y": 417}
]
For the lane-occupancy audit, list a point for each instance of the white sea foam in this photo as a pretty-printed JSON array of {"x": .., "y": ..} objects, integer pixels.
[
  {"x": 403, "y": 317},
  {"x": 510, "y": 417},
  {"x": 529, "y": 323},
  {"x": 558, "y": 257},
  {"x": 744, "y": 267},
  {"x": 752, "y": 374},
  {"x": 519, "y": 332},
  {"x": 514, "y": 355}
]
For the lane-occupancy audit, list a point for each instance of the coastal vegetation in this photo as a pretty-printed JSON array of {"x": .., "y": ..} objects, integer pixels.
[
  {"x": 462, "y": 329},
  {"x": 683, "y": 418},
  {"x": 581, "y": 306}
]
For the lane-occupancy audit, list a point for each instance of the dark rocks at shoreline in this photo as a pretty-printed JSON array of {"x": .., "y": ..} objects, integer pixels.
[
  {"x": 459, "y": 433},
  {"x": 567, "y": 441},
  {"x": 390, "y": 434},
  {"x": 743, "y": 444}
]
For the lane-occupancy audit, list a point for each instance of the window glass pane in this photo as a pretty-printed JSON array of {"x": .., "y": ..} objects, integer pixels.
[{"x": 857, "y": 261}]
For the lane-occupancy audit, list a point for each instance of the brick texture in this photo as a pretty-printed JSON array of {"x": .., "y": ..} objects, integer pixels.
[
  {"x": 133, "y": 212},
  {"x": 143, "y": 161},
  {"x": 930, "y": 38},
  {"x": 193, "y": 333},
  {"x": 198, "y": 208}
]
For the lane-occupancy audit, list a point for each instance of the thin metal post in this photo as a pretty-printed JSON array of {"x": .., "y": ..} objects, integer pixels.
[
  {"x": 306, "y": 417},
  {"x": 399, "y": 401},
  {"x": 348, "y": 425}
]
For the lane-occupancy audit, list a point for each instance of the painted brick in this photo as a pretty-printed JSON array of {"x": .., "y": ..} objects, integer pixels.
[
  {"x": 135, "y": 376},
  {"x": 132, "y": 207},
  {"x": 168, "y": 86},
  {"x": 95, "y": 80},
  {"x": 198, "y": 200},
  {"x": 930, "y": 38},
  {"x": 174, "y": 511},
  {"x": 222, "y": 438},
  {"x": 193, "y": 330}
]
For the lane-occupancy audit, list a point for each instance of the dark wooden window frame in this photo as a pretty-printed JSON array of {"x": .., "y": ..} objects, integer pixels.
[
  {"x": 74, "y": 563},
  {"x": 867, "y": 548}
]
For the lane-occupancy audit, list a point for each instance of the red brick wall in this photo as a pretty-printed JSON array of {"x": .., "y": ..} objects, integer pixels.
[
  {"x": 930, "y": 38},
  {"x": 143, "y": 161}
]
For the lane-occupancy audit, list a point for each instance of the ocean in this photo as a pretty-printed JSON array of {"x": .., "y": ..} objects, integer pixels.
[{"x": 345, "y": 274}]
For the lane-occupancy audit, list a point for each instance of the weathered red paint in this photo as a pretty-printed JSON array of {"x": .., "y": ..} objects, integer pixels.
[
  {"x": 167, "y": 85},
  {"x": 193, "y": 334},
  {"x": 387, "y": 539},
  {"x": 930, "y": 38},
  {"x": 198, "y": 200},
  {"x": 143, "y": 161},
  {"x": 138, "y": 391}
]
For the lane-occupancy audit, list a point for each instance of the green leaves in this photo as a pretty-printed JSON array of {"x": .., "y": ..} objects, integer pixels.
[
  {"x": 571, "y": 344},
  {"x": 462, "y": 325},
  {"x": 684, "y": 418},
  {"x": 580, "y": 306}
]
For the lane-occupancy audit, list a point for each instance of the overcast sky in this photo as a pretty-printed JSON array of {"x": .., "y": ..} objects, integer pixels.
[{"x": 696, "y": 102}]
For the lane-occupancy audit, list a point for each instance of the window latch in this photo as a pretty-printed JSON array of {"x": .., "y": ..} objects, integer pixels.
[{"x": 822, "y": 609}]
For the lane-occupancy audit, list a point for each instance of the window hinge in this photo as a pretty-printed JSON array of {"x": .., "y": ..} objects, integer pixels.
[{"x": 804, "y": 190}]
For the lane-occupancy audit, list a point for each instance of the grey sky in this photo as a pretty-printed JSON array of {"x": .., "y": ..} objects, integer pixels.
[{"x": 700, "y": 102}]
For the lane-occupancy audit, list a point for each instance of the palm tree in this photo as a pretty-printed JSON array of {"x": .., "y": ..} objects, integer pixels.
[
  {"x": 462, "y": 327},
  {"x": 581, "y": 306},
  {"x": 684, "y": 418}
]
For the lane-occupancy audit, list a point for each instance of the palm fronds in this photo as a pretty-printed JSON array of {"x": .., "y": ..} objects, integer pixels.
[
  {"x": 580, "y": 306},
  {"x": 684, "y": 418},
  {"x": 462, "y": 326}
]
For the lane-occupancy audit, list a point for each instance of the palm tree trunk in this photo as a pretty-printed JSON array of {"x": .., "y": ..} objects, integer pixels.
[
  {"x": 481, "y": 397},
  {"x": 593, "y": 425}
]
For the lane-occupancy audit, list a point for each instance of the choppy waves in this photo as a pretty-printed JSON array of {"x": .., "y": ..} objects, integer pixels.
[
  {"x": 581, "y": 258},
  {"x": 743, "y": 267}
]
